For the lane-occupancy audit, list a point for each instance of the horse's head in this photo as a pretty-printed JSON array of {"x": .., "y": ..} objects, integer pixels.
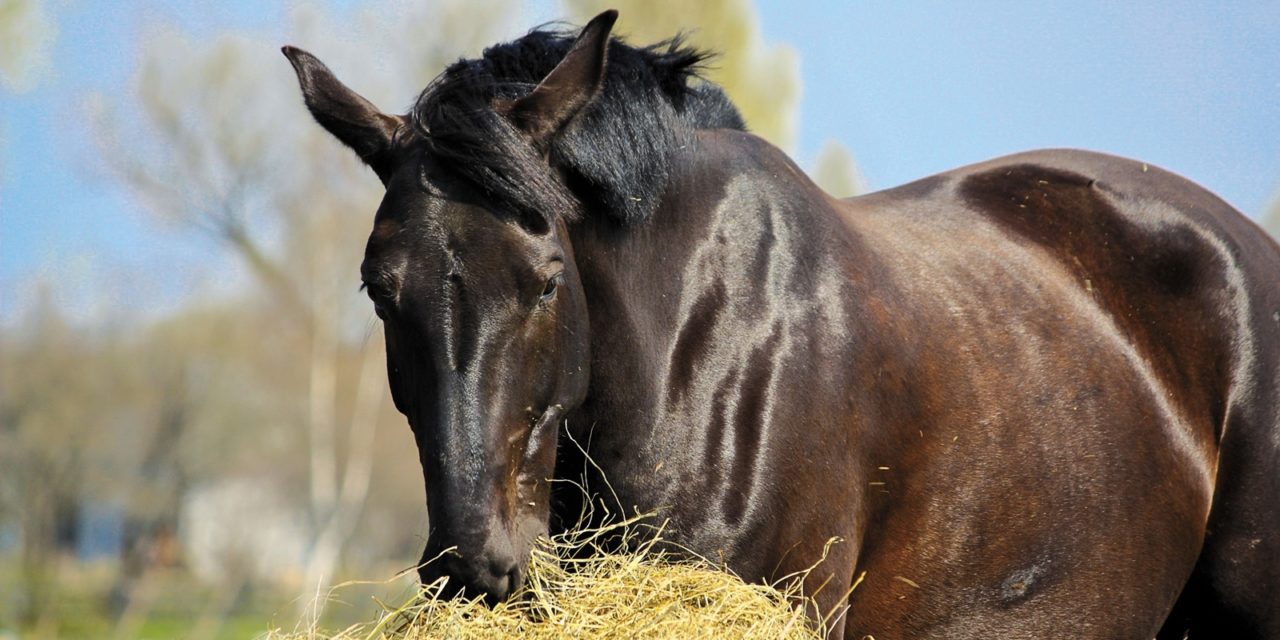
[{"x": 484, "y": 314}]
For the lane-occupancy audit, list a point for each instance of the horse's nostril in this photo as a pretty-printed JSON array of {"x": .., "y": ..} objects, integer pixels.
[
  {"x": 501, "y": 572},
  {"x": 494, "y": 576},
  {"x": 513, "y": 581},
  {"x": 503, "y": 579}
]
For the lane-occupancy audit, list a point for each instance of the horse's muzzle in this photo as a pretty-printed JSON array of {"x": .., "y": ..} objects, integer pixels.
[
  {"x": 487, "y": 553},
  {"x": 492, "y": 575}
]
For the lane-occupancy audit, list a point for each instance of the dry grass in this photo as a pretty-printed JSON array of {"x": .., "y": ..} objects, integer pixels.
[{"x": 641, "y": 593}]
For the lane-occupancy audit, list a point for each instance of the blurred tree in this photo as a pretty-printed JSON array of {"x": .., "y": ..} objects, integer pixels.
[
  {"x": 1270, "y": 218},
  {"x": 192, "y": 374},
  {"x": 836, "y": 171},
  {"x": 40, "y": 434},
  {"x": 27, "y": 34},
  {"x": 59, "y": 388},
  {"x": 93, "y": 420},
  {"x": 215, "y": 138},
  {"x": 762, "y": 79}
]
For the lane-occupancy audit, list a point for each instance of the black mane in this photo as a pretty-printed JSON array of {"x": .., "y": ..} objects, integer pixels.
[{"x": 614, "y": 157}]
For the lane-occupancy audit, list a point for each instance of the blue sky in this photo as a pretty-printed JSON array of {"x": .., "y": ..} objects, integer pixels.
[
  {"x": 910, "y": 88},
  {"x": 918, "y": 87}
]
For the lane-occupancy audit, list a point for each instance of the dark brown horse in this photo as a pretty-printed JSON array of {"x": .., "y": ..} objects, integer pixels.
[{"x": 1037, "y": 397}]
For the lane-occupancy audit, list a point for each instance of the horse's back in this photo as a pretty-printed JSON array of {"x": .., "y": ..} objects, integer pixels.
[
  {"x": 1192, "y": 283},
  {"x": 1150, "y": 298}
]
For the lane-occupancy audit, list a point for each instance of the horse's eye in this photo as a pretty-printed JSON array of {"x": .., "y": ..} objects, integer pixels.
[
  {"x": 549, "y": 290},
  {"x": 379, "y": 295}
]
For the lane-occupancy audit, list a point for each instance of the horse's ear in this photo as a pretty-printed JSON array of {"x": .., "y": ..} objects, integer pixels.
[
  {"x": 346, "y": 114},
  {"x": 569, "y": 87}
]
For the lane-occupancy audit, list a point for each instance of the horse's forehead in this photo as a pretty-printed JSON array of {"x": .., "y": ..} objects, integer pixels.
[
  {"x": 430, "y": 229},
  {"x": 410, "y": 213}
]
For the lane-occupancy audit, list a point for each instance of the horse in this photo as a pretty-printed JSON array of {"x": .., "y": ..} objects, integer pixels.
[{"x": 1035, "y": 396}]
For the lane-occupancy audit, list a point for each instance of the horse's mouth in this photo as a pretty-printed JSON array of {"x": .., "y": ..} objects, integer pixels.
[{"x": 492, "y": 584}]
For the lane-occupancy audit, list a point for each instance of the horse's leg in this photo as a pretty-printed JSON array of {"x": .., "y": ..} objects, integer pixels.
[{"x": 1235, "y": 589}]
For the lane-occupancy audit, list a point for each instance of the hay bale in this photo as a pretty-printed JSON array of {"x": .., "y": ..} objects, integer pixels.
[{"x": 640, "y": 593}]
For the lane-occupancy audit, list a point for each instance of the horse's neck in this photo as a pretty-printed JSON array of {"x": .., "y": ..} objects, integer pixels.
[{"x": 723, "y": 265}]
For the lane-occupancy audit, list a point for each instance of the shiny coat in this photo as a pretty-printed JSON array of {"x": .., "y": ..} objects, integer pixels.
[{"x": 1033, "y": 397}]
